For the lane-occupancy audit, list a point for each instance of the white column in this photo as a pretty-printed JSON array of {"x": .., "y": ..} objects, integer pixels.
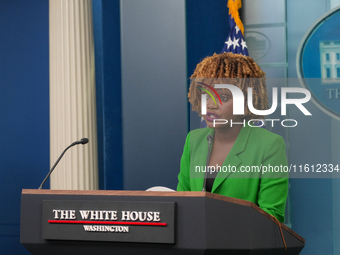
[{"x": 72, "y": 94}]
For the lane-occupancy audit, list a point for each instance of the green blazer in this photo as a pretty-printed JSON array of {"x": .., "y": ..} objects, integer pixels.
[{"x": 255, "y": 148}]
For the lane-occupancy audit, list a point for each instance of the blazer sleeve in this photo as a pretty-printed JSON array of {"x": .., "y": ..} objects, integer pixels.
[
  {"x": 184, "y": 174},
  {"x": 273, "y": 189}
]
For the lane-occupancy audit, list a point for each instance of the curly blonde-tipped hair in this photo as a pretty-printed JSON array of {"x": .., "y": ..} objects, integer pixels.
[{"x": 234, "y": 67}]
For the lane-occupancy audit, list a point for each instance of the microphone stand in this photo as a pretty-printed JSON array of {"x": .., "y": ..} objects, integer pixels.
[{"x": 82, "y": 141}]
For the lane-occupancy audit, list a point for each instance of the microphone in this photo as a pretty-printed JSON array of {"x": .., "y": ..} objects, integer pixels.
[
  {"x": 210, "y": 139},
  {"x": 81, "y": 141}
]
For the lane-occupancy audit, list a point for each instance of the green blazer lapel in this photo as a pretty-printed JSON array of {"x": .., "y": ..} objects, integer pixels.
[
  {"x": 201, "y": 161},
  {"x": 233, "y": 159},
  {"x": 200, "y": 158}
]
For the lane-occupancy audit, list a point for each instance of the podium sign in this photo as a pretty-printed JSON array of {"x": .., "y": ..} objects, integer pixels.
[
  {"x": 143, "y": 222},
  {"x": 72, "y": 222}
]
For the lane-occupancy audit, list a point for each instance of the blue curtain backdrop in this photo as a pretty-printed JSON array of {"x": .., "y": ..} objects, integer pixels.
[
  {"x": 24, "y": 111},
  {"x": 106, "y": 25}
]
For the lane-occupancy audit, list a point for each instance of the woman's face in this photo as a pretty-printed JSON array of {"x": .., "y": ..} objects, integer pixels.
[{"x": 221, "y": 112}]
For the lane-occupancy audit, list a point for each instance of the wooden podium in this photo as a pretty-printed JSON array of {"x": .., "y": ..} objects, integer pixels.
[{"x": 190, "y": 223}]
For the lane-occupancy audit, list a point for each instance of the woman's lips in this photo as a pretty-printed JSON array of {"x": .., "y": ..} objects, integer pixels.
[{"x": 211, "y": 116}]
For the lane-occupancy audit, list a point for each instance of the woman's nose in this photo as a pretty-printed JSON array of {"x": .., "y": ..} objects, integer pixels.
[{"x": 211, "y": 103}]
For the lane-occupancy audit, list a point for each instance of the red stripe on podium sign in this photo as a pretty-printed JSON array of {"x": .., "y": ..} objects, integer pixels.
[{"x": 108, "y": 222}]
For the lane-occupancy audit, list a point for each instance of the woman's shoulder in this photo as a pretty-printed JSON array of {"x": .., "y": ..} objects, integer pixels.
[
  {"x": 260, "y": 135},
  {"x": 257, "y": 132},
  {"x": 255, "y": 135},
  {"x": 199, "y": 135},
  {"x": 264, "y": 133},
  {"x": 201, "y": 131}
]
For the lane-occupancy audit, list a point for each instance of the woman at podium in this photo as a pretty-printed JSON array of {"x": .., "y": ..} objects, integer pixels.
[{"x": 234, "y": 155}]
